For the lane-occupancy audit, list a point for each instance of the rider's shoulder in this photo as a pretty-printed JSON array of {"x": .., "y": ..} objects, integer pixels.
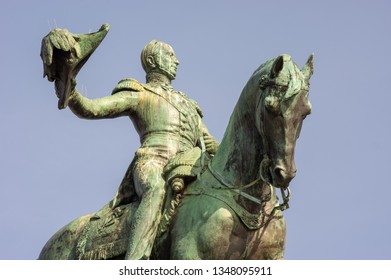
[{"x": 128, "y": 84}]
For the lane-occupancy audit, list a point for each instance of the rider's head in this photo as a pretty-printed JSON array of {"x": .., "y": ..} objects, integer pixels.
[{"x": 159, "y": 57}]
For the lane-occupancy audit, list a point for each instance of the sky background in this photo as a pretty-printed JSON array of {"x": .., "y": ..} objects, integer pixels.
[{"x": 55, "y": 167}]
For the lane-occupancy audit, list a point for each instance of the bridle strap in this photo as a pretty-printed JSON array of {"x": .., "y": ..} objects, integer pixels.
[
  {"x": 239, "y": 190},
  {"x": 264, "y": 83},
  {"x": 222, "y": 181}
]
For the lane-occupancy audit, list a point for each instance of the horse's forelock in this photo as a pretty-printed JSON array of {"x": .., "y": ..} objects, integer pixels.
[{"x": 292, "y": 74}]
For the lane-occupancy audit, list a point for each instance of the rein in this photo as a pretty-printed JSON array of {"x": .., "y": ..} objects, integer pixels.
[{"x": 239, "y": 190}]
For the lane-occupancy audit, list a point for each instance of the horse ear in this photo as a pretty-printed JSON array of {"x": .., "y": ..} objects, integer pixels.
[
  {"x": 308, "y": 68},
  {"x": 278, "y": 64}
]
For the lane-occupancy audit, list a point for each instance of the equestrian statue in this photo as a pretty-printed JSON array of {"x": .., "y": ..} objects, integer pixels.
[{"x": 184, "y": 195}]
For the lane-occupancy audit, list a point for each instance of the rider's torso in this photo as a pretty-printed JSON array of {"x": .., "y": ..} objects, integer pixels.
[{"x": 167, "y": 122}]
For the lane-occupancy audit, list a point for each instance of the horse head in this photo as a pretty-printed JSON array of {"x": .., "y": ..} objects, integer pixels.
[{"x": 282, "y": 106}]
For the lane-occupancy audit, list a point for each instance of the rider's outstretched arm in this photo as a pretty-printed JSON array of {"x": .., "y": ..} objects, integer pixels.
[{"x": 120, "y": 104}]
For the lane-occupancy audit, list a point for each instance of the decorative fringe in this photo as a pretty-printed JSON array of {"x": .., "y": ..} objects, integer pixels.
[{"x": 106, "y": 251}]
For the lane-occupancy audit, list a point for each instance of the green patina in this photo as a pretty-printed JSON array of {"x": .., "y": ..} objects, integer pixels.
[{"x": 184, "y": 196}]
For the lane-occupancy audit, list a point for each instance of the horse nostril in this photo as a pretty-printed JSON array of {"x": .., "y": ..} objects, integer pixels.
[
  {"x": 280, "y": 173},
  {"x": 283, "y": 175}
]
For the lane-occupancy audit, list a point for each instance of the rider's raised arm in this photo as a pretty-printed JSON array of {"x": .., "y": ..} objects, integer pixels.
[{"x": 122, "y": 102}]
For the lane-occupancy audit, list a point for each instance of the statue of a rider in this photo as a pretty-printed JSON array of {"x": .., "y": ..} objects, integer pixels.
[{"x": 169, "y": 125}]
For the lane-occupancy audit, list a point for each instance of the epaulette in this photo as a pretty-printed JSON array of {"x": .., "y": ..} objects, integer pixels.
[{"x": 128, "y": 84}]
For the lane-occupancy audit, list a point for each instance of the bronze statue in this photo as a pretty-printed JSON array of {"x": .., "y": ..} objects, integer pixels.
[{"x": 228, "y": 207}]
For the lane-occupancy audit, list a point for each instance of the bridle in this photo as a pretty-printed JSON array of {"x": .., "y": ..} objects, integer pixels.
[
  {"x": 264, "y": 82},
  {"x": 240, "y": 190},
  {"x": 264, "y": 166}
]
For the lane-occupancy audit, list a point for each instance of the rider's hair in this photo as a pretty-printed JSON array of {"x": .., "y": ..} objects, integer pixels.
[{"x": 153, "y": 49}]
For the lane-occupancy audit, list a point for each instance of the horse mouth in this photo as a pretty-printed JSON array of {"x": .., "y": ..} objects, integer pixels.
[
  {"x": 275, "y": 175},
  {"x": 281, "y": 178}
]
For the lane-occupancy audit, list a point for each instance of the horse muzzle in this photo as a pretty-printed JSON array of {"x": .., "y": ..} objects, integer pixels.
[{"x": 282, "y": 177}]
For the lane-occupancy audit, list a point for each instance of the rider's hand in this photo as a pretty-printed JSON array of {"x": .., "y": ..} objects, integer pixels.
[{"x": 211, "y": 144}]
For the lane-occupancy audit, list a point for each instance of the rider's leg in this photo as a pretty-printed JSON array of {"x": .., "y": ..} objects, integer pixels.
[{"x": 149, "y": 185}]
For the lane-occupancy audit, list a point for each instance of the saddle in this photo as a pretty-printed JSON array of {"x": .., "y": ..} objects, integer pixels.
[{"x": 106, "y": 235}]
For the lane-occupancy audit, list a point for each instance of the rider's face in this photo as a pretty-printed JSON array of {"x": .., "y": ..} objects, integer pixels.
[{"x": 166, "y": 61}]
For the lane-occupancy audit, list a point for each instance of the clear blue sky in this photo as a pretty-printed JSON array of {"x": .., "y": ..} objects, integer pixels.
[{"x": 55, "y": 167}]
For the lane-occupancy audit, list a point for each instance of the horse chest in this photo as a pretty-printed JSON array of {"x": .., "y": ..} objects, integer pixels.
[
  {"x": 224, "y": 236},
  {"x": 267, "y": 242}
]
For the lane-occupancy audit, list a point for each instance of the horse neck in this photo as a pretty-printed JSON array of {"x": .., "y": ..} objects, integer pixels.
[{"x": 240, "y": 152}]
